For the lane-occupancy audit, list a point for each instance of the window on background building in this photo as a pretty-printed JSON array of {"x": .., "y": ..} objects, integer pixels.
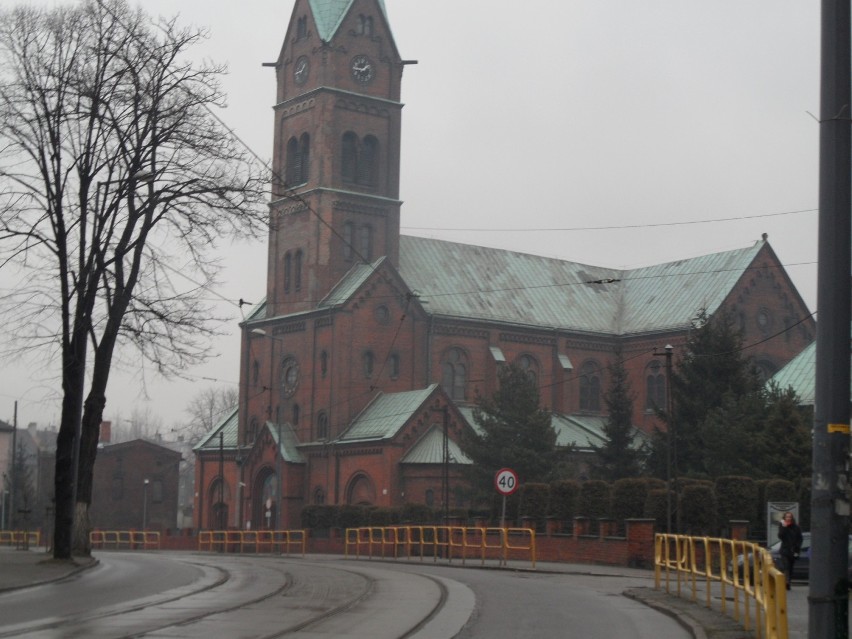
[
  {"x": 157, "y": 491},
  {"x": 302, "y": 27},
  {"x": 430, "y": 497},
  {"x": 368, "y": 162},
  {"x": 365, "y": 242},
  {"x": 295, "y": 414},
  {"x": 655, "y": 378},
  {"x": 393, "y": 366},
  {"x": 590, "y": 387},
  {"x": 454, "y": 373},
  {"x": 288, "y": 268},
  {"x": 359, "y": 159},
  {"x": 349, "y": 157},
  {"x": 324, "y": 364},
  {"x": 322, "y": 425},
  {"x": 117, "y": 487},
  {"x": 319, "y": 496},
  {"x": 298, "y": 158}
]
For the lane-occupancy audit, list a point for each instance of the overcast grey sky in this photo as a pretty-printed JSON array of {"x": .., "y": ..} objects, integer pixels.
[{"x": 613, "y": 133}]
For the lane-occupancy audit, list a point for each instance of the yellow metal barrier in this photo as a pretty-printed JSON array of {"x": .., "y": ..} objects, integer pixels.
[
  {"x": 20, "y": 538},
  {"x": 256, "y": 541},
  {"x": 758, "y": 587},
  {"x": 126, "y": 539},
  {"x": 450, "y": 542}
]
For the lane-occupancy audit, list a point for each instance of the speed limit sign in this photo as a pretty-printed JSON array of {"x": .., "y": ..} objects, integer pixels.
[{"x": 506, "y": 481}]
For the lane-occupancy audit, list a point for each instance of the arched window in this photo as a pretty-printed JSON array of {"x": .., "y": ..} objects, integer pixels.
[
  {"x": 255, "y": 372},
  {"x": 349, "y": 160},
  {"x": 655, "y": 386},
  {"x": 294, "y": 171},
  {"x": 322, "y": 425},
  {"x": 590, "y": 387},
  {"x": 365, "y": 242},
  {"x": 297, "y": 270},
  {"x": 324, "y": 364},
  {"x": 529, "y": 365},
  {"x": 304, "y": 158},
  {"x": 288, "y": 268},
  {"x": 359, "y": 159},
  {"x": 454, "y": 373},
  {"x": 361, "y": 492},
  {"x": 302, "y": 27},
  {"x": 430, "y": 497},
  {"x": 251, "y": 433},
  {"x": 369, "y": 362},
  {"x": 295, "y": 414},
  {"x": 368, "y": 163},
  {"x": 365, "y": 25},
  {"x": 319, "y": 495},
  {"x": 393, "y": 366},
  {"x": 348, "y": 238}
]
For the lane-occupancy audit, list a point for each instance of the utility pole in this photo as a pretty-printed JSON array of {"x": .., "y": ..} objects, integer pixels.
[{"x": 828, "y": 596}]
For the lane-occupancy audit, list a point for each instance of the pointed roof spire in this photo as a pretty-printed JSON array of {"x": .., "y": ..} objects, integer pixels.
[{"x": 328, "y": 15}]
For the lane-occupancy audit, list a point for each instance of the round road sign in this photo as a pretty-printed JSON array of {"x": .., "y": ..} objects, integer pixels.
[{"x": 506, "y": 481}]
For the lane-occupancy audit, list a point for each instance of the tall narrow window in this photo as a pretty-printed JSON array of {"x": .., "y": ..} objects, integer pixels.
[
  {"x": 324, "y": 364},
  {"x": 322, "y": 425},
  {"x": 348, "y": 239},
  {"x": 365, "y": 242},
  {"x": 294, "y": 160},
  {"x": 295, "y": 414},
  {"x": 368, "y": 163},
  {"x": 454, "y": 373},
  {"x": 297, "y": 270},
  {"x": 530, "y": 366},
  {"x": 302, "y": 28},
  {"x": 288, "y": 267},
  {"x": 655, "y": 387},
  {"x": 369, "y": 362},
  {"x": 304, "y": 158},
  {"x": 393, "y": 366},
  {"x": 349, "y": 159},
  {"x": 590, "y": 387}
]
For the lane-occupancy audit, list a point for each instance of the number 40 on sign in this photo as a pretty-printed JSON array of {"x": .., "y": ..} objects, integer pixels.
[{"x": 506, "y": 481}]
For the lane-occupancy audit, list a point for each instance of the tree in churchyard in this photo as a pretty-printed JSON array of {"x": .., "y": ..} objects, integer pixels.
[
  {"x": 784, "y": 445},
  {"x": 511, "y": 430},
  {"x": 618, "y": 456},
  {"x": 116, "y": 183},
  {"x": 725, "y": 421}
]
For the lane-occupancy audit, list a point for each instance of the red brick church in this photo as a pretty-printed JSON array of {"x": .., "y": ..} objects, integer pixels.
[{"x": 370, "y": 343}]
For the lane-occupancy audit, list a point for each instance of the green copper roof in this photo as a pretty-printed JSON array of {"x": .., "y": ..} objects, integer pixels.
[
  {"x": 328, "y": 14},
  {"x": 429, "y": 449},
  {"x": 228, "y": 427},
  {"x": 386, "y": 414}
]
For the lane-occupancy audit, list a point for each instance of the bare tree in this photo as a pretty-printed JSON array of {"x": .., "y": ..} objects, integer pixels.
[
  {"x": 207, "y": 408},
  {"x": 116, "y": 178}
]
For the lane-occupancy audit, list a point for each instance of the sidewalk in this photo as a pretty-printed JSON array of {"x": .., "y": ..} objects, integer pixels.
[{"x": 24, "y": 568}]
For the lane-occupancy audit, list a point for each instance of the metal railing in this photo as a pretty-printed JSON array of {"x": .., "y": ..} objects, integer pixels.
[
  {"x": 20, "y": 538},
  {"x": 257, "y": 541},
  {"x": 450, "y": 542},
  {"x": 745, "y": 569},
  {"x": 125, "y": 539}
]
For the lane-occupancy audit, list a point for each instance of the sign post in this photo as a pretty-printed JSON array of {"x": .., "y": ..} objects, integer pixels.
[{"x": 506, "y": 482}]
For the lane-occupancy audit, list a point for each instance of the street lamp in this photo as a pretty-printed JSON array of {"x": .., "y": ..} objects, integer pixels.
[
  {"x": 671, "y": 471},
  {"x": 145, "y": 505}
]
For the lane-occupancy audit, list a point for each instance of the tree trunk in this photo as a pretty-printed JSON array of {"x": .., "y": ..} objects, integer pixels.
[
  {"x": 91, "y": 426},
  {"x": 63, "y": 485}
]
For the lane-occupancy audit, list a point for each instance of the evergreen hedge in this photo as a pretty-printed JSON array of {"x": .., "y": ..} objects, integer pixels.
[
  {"x": 628, "y": 499},
  {"x": 656, "y": 508},
  {"x": 698, "y": 509},
  {"x": 564, "y": 500},
  {"x": 533, "y": 502},
  {"x": 737, "y": 499},
  {"x": 595, "y": 501}
]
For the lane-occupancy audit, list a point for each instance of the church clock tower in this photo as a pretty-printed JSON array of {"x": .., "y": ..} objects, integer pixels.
[{"x": 335, "y": 194}]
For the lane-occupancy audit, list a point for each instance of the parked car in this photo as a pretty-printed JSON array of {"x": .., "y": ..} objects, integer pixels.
[{"x": 801, "y": 568}]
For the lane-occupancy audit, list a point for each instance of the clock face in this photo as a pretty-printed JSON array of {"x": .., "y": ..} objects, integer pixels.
[
  {"x": 289, "y": 376},
  {"x": 300, "y": 71},
  {"x": 362, "y": 69}
]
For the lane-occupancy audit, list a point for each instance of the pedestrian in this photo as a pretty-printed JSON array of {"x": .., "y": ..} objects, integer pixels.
[{"x": 791, "y": 544}]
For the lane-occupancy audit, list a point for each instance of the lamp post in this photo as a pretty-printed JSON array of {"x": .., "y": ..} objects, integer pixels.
[
  {"x": 145, "y": 504},
  {"x": 671, "y": 468}
]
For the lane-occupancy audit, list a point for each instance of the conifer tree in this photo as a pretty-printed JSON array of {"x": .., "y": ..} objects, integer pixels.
[{"x": 618, "y": 457}]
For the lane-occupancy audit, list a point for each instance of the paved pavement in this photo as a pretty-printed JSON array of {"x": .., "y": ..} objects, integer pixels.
[{"x": 24, "y": 568}]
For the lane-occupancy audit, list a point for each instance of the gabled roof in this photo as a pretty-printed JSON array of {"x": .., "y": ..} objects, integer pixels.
[
  {"x": 350, "y": 283},
  {"x": 386, "y": 414},
  {"x": 228, "y": 427},
  {"x": 328, "y": 14},
  {"x": 465, "y": 281},
  {"x": 800, "y": 375},
  {"x": 287, "y": 443},
  {"x": 109, "y": 449},
  {"x": 429, "y": 449},
  {"x": 581, "y": 431}
]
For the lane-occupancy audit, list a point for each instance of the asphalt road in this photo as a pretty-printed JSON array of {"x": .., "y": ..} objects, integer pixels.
[{"x": 212, "y": 596}]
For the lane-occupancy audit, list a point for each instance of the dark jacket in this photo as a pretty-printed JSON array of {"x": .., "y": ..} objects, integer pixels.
[{"x": 791, "y": 539}]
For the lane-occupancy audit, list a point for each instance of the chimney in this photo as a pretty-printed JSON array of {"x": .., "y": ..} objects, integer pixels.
[{"x": 106, "y": 433}]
